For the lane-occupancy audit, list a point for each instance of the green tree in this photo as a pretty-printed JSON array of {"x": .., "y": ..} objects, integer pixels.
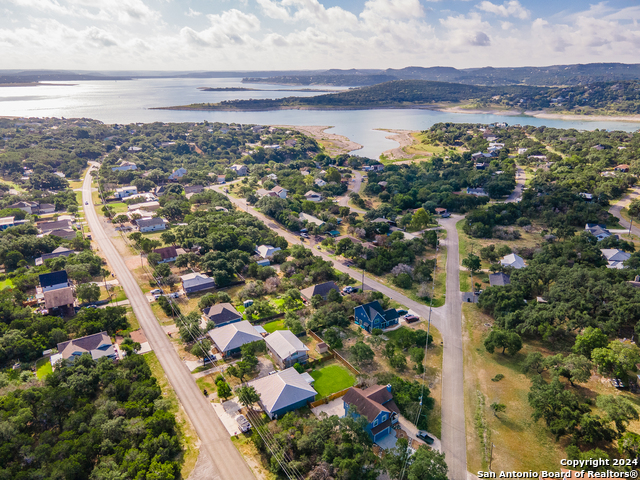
[
  {"x": 629, "y": 445},
  {"x": 362, "y": 353},
  {"x": 224, "y": 390},
  {"x": 427, "y": 464},
  {"x": 202, "y": 349},
  {"x": 504, "y": 339},
  {"x": 588, "y": 340},
  {"x": 247, "y": 395},
  {"x": 332, "y": 337},
  {"x": 390, "y": 349},
  {"x": 421, "y": 219},
  {"x": 88, "y": 292},
  {"x": 417, "y": 355},
  {"x": 498, "y": 408},
  {"x": 12, "y": 258},
  {"x": 333, "y": 175},
  {"x": 168, "y": 238},
  {"x": 617, "y": 358},
  {"x": 472, "y": 263},
  {"x": 619, "y": 410},
  {"x": 154, "y": 259},
  {"x": 398, "y": 361}
]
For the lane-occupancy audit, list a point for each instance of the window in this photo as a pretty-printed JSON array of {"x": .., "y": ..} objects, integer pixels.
[
  {"x": 375, "y": 422},
  {"x": 384, "y": 418}
]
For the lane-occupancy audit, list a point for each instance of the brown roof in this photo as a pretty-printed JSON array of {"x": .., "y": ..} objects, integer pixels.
[
  {"x": 59, "y": 298},
  {"x": 366, "y": 404},
  {"x": 83, "y": 344},
  {"x": 378, "y": 393},
  {"x": 166, "y": 252}
]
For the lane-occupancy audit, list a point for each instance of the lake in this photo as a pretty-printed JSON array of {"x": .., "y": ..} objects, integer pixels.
[{"x": 130, "y": 101}]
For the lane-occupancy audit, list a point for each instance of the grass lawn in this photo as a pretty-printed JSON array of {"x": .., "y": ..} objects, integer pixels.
[
  {"x": 44, "y": 368},
  {"x": 520, "y": 443},
  {"x": 273, "y": 326},
  {"x": 6, "y": 284},
  {"x": 119, "y": 207},
  {"x": 332, "y": 378},
  {"x": 187, "y": 434}
]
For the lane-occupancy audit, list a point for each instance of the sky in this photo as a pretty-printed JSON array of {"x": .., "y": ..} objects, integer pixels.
[{"x": 313, "y": 34}]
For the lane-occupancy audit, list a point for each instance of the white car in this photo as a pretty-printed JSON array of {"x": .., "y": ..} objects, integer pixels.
[{"x": 243, "y": 423}]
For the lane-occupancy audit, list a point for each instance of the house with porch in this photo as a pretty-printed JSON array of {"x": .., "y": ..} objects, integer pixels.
[
  {"x": 372, "y": 315},
  {"x": 376, "y": 404},
  {"x": 286, "y": 349}
]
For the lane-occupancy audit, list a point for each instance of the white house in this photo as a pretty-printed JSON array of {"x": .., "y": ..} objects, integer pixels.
[
  {"x": 598, "y": 231},
  {"x": 512, "y": 260},
  {"x": 279, "y": 191},
  {"x": 124, "y": 166},
  {"x": 522, "y": 151},
  {"x": 286, "y": 349},
  {"x": 320, "y": 182},
  {"x": 241, "y": 170},
  {"x": 135, "y": 149},
  {"x": 125, "y": 192},
  {"x": 148, "y": 206},
  {"x": 266, "y": 251},
  {"x": 313, "y": 196},
  {"x": 615, "y": 258},
  {"x": 478, "y": 192},
  {"x": 151, "y": 224}
]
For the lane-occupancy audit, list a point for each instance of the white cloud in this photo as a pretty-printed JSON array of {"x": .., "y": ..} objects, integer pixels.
[
  {"x": 192, "y": 13},
  {"x": 106, "y": 10},
  {"x": 511, "y": 8}
]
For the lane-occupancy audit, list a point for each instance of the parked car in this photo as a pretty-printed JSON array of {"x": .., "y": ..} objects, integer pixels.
[
  {"x": 157, "y": 290},
  {"x": 86, "y": 203},
  {"x": 174, "y": 295},
  {"x": 445, "y": 215},
  {"x": 402, "y": 312},
  {"x": 425, "y": 437},
  {"x": 243, "y": 423},
  {"x": 411, "y": 318},
  {"x": 209, "y": 359},
  {"x": 347, "y": 289}
]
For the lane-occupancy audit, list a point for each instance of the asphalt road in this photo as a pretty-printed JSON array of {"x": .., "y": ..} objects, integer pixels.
[
  {"x": 355, "y": 188},
  {"x": 447, "y": 319},
  {"x": 215, "y": 441},
  {"x": 516, "y": 195},
  {"x": 624, "y": 202}
]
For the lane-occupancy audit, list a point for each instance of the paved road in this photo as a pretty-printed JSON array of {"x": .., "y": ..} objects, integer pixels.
[
  {"x": 623, "y": 203},
  {"x": 227, "y": 461},
  {"x": 447, "y": 319},
  {"x": 521, "y": 178},
  {"x": 355, "y": 188}
]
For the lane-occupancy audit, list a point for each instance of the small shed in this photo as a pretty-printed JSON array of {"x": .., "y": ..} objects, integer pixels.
[
  {"x": 322, "y": 347},
  {"x": 334, "y": 233}
]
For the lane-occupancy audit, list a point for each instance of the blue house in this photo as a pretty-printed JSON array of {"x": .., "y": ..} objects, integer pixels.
[
  {"x": 377, "y": 406},
  {"x": 371, "y": 315},
  {"x": 284, "y": 392}
]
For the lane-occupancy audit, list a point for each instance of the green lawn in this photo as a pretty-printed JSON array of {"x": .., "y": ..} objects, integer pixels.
[
  {"x": 331, "y": 379},
  {"x": 6, "y": 284},
  {"x": 43, "y": 367},
  {"x": 273, "y": 326}
]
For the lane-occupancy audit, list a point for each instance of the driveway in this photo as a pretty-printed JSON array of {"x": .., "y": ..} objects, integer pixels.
[
  {"x": 227, "y": 413},
  {"x": 623, "y": 203},
  {"x": 334, "y": 407}
]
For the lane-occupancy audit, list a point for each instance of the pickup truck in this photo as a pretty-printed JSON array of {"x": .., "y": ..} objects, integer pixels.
[
  {"x": 243, "y": 423},
  {"x": 425, "y": 437}
]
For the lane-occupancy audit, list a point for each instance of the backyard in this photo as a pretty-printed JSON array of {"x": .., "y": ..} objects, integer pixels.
[
  {"x": 275, "y": 325},
  {"x": 43, "y": 368},
  {"x": 332, "y": 378}
]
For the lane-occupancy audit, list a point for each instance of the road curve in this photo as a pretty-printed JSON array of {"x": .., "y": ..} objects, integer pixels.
[
  {"x": 227, "y": 461},
  {"x": 623, "y": 203},
  {"x": 447, "y": 319}
]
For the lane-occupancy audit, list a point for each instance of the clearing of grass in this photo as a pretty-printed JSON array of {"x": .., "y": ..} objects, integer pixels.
[
  {"x": 188, "y": 435},
  {"x": 43, "y": 368},
  {"x": 275, "y": 325},
  {"x": 6, "y": 283},
  {"x": 520, "y": 443},
  {"x": 331, "y": 379}
]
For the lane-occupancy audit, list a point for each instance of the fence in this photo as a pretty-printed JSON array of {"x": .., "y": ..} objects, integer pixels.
[
  {"x": 336, "y": 355},
  {"x": 328, "y": 398}
]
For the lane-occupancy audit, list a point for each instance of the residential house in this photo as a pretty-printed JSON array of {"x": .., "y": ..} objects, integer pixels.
[
  {"x": 7, "y": 222},
  {"x": 541, "y": 158},
  {"x": 151, "y": 224},
  {"x": 587, "y": 196},
  {"x": 58, "y": 252},
  {"x": 29, "y": 207},
  {"x": 599, "y": 231},
  {"x": 499, "y": 279},
  {"x": 273, "y": 177},
  {"x": 279, "y": 191},
  {"x": 263, "y": 263},
  {"x": 376, "y": 404},
  {"x": 320, "y": 182},
  {"x": 135, "y": 149},
  {"x": 66, "y": 233},
  {"x": 286, "y": 349},
  {"x": 221, "y": 179},
  {"x": 46, "y": 208},
  {"x": 372, "y": 315},
  {"x": 321, "y": 289},
  {"x": 267, "y": 251},
  {"x": 598, "y": 147},
  {"x": 522, "y": 151},
  {"x": 197, "y": 282},
  {"x": 62, "y": 299},
  {"x": 261, "y": 192},
  {"x": 615, "y": 257},
  {"x": 125, "y": 192},
  {"x": 313, "y": 196},
  {"x": 383, "y": 184},
  {"x": 222, "y": 314},
  {"x": 124, "y": 166},
  {"x": 310, "y": 219},
  {"x": 478, "y": 192},
  {"x": 192, "y": 189},
  {"x": 241, "y": 170},
  {"x": 512, "y": 260},
  {"x": 283, "y": 392},
  {"x": 148, "y": 206},
  {"x": 378, "y": 167},
  {"x": 168, "y": 254},
  {"x": 46, "y": 227},
  {"x": 440, "y": 211},
  {"x": 178, "y": 174},
  {"x": 97, "y": 345},
  {"x": 54, "y": 280},
  {"x": 622, "y": 168},
  {"x": 229, "y": 338}
]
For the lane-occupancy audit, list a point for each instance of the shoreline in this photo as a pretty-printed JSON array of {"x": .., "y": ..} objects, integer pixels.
[
  {"x": 37, "y": 84},
  {"x": 332, "y": 142},
  {"x": 404, "y": 139},
  {"x": 541, "y": 114}
]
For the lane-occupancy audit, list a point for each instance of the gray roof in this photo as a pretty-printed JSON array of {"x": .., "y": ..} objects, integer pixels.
[
  {"x": 285, "y": 343},
  {"x": 321, "y": 289},
  {"x": 57, "y": 225},
  {"x": 85, "y": 345},
  {"x": 234, "y": 335},
  {"x": 149, "y": 222},
  {"x": 195, "y": 279},
  {"x": 222, "y": 313},
  {"x": 59, "y": 298},
  {"x": 283, "y": 389},
  {"x": 499, "y": 279}
]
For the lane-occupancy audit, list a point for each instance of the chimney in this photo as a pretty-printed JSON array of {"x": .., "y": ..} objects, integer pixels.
[{"x": 389, "y": 387}]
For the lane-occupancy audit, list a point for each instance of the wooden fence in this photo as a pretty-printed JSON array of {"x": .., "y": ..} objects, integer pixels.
[
  {"x": 328, "y": 398},
  {"x": 336, "y": 355}
]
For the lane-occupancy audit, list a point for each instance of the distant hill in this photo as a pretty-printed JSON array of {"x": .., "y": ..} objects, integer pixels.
[
  {"x": 603, "y": 97},
  {"x": 555, "y": 75}
]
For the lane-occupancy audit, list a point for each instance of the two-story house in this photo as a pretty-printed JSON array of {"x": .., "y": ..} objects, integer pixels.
[
  {"x": 376, "y": 404},
  {"x": 286, "y": 349},
  {"x": 125, "y": 192},
  {"x": 372, "y": 315}
]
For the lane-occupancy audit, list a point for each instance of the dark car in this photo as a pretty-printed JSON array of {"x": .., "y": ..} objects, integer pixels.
[
  {"x": 411, "y": 318},
  {"x": 425, "y": 437},
  {"x": 402, "y": 312}
]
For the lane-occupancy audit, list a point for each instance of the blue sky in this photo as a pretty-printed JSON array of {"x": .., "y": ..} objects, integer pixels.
[{"x": 314, "y": 34}]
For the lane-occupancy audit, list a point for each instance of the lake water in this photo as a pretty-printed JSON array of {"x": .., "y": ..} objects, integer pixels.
[{"x": 130, "y": 101}]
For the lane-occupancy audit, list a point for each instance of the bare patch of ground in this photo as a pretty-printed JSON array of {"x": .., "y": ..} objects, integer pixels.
[
  {"x": 405, "y": 138},
  {"x": 333, "y": 143}
]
